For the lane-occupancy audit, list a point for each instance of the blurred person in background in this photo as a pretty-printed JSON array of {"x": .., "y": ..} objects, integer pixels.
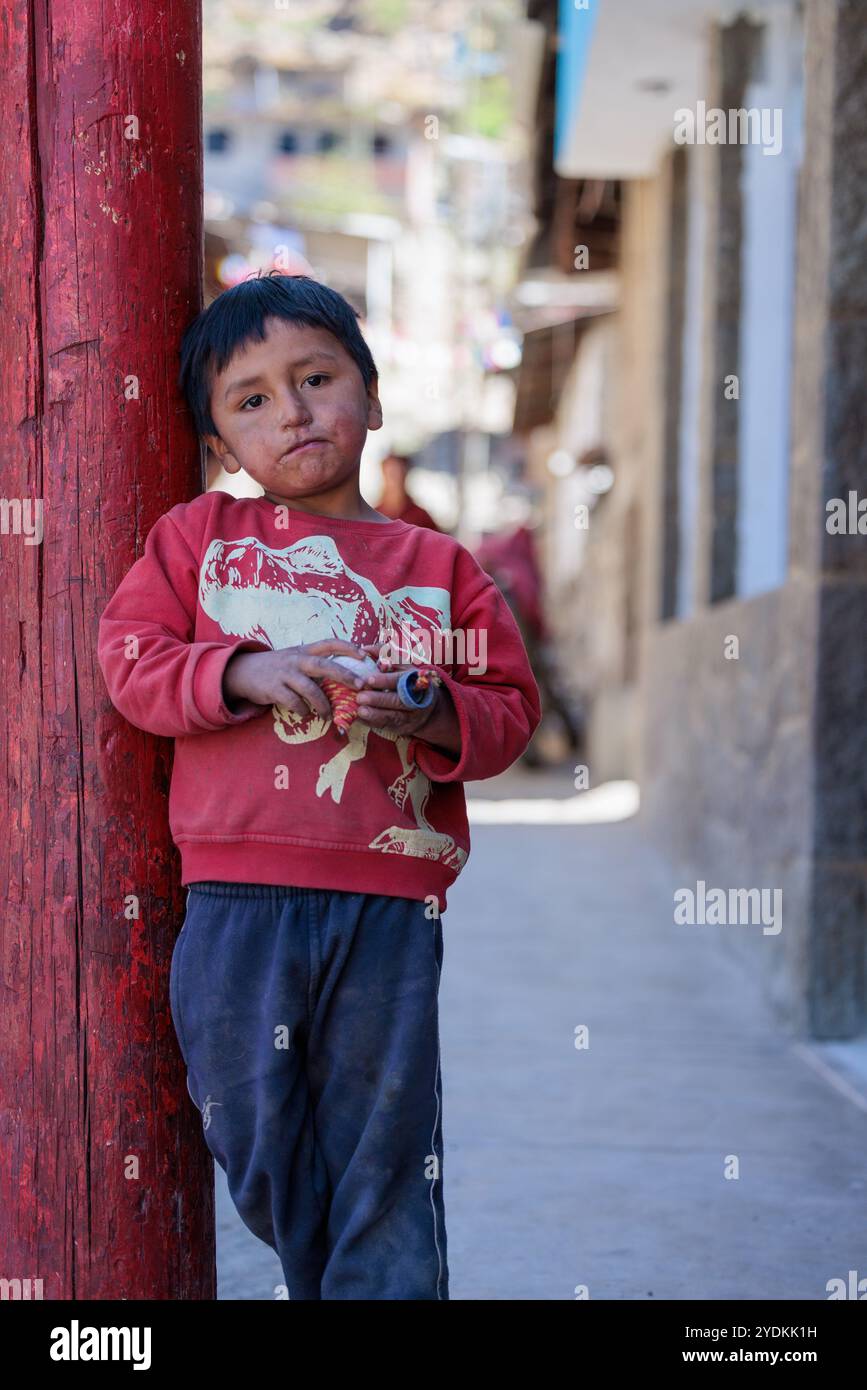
[
  {"x": 395, "y": 501},
  {"x": 509, "y": 557}
]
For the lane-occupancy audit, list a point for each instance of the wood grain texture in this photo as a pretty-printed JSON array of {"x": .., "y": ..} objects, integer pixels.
[{"x": 101, "y": 242}]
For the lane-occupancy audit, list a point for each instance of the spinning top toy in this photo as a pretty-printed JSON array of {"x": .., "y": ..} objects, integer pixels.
[
  {"x": 415, "y": 690},
  {"x": 343, "y": 698}
]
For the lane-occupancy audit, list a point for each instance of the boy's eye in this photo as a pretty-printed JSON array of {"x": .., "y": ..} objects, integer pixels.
[{"x": 315, "y": 377}]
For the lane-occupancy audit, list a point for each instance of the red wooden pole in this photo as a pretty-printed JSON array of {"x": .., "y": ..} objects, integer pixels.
[{"x": 105, "y": 1181}]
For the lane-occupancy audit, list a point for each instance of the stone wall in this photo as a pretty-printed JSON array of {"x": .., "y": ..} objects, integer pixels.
[{"x": 727, "y": 772}]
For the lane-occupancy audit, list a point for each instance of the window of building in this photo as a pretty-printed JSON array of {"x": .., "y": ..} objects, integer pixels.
[{"x": 218, "y": 140}]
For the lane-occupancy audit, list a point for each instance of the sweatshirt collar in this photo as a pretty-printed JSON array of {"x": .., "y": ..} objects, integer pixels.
[{"x": 327, "y": 523}]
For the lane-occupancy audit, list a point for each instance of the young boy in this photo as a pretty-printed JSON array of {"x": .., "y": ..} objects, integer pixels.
[{"x": 304, "y": 981}]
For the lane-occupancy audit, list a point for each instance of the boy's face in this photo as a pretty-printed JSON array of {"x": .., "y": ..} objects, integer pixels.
[{"x": 298, "y": 385}]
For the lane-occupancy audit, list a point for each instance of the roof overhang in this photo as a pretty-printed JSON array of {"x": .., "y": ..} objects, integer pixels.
[{"x": 624, "y": 68}]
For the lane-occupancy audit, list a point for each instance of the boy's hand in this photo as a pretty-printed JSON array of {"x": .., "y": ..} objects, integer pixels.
[
  {"x": 289, "y": 676},
  {"x": 380, "y": 706}
]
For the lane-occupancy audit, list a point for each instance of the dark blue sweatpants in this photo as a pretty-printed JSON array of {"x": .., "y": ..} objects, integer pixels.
[{"x": 308, "y": 1020}]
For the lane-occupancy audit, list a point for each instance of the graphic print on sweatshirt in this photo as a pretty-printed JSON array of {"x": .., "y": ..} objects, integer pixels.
[{"x": 302, "y": 594}]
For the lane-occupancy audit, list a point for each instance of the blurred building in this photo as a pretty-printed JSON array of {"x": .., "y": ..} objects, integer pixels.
[
  {"x": 689, "y": 414},
  {"x": 387, "y": 142}
]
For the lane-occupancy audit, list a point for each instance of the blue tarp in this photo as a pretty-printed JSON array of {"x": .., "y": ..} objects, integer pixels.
[{"x": 575, "y": 28}]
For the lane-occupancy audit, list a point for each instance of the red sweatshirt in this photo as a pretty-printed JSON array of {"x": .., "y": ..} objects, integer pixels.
[
  {"x": 262, "y": 795},
  {"x": 410, "y": 512}
]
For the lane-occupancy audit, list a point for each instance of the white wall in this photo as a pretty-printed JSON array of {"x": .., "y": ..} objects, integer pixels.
[
  {"x": 581, "y": 427},
  {"x": 767, "y": 300}
]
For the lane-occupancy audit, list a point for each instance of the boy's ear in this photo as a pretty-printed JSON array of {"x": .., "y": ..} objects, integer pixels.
[
  {"x": 374, "y": 408},
  {"x": 221, "y": 452}
]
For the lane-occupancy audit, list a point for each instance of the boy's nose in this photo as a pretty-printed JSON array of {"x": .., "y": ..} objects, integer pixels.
[{"x": 293, "y": 411}]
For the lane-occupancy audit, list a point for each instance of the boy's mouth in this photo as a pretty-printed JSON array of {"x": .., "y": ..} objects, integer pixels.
[{"x": 303, "y": 444}]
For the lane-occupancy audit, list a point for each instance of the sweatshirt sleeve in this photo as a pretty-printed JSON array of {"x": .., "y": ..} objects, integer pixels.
[
  {"x": 493, "y": 689},
  {"x": 157, "y": 676}
]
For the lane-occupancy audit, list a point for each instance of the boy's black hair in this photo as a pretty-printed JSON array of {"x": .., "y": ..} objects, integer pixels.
[{"x": 237, "y": 316}]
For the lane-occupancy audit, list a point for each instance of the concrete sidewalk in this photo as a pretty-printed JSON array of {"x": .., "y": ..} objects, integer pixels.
[{"x": 605, "y": 1167}]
